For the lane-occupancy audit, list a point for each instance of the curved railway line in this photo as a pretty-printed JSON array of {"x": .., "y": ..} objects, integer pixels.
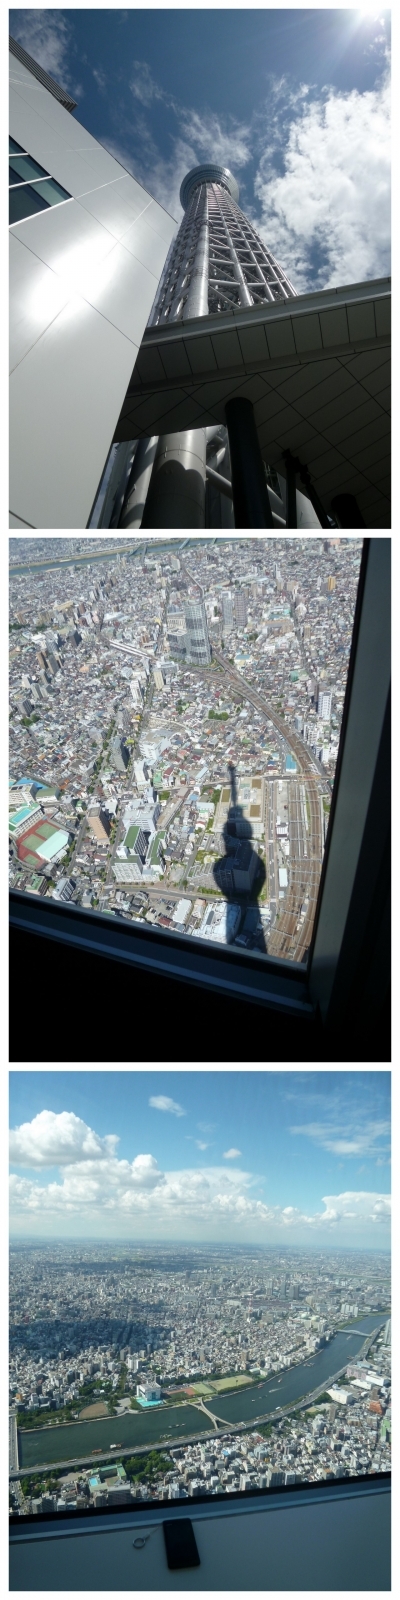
[{"x": 288, "y": 939}]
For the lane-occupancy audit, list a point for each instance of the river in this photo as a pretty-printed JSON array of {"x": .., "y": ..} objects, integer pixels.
[
  {"x": 282, "y": 1388},
  {"x": 133, "y": 1428},
  {"x": 78, "y": 560},
  {"x": 148, "y": 1428}
]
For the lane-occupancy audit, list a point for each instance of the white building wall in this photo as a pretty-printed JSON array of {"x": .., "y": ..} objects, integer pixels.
[{"x": 83, "y": 277}]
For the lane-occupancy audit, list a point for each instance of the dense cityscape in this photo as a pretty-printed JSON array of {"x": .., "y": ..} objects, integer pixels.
[
  {"x": 182, "y": 1346},
  {"x": 175, "y": 713}
]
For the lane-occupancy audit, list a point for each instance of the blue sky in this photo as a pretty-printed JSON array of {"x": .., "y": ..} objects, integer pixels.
[
  {"x": 277, "y": 1158},
  {"x": 295, "y": 101}
]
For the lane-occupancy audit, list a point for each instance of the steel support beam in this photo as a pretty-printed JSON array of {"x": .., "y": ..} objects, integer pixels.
[
  {"x": 223, "y": 484},
  {"x": 250, "y": 494}
]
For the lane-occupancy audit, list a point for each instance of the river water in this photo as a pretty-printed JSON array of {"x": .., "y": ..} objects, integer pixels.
[
  {"x": 283, "y": 1388},
  {"x": 148, "y": 1428},
  {"x": 78, "y": 560},
  {"x": 134, "y": 1427}
]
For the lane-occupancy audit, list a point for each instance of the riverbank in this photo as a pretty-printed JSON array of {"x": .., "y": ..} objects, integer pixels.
[{"x": 86, "y": 1441}]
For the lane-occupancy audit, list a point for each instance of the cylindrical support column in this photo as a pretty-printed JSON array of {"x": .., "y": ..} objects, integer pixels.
[
  {"x": 346, "y": 512},
  {"x": 250, "y": 494},
  {"x": 291, "y": 501},
  {"x": 176, "y": 497},
  {"x": 196, "y": 303},
  {"x": 136, "y": 494}
]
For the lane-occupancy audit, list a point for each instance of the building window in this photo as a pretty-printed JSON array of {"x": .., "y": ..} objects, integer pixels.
[
  {"x": 37, "y": 194},
  {"x": 23, "y": 168}
]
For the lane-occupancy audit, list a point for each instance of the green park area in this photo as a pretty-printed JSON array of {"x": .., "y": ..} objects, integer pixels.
[
  {"x": 138, "y": 1469},
  {"x": 222, "y": 1385},
  {"x": 142, "y": 1468},
  {"x": 236, "y": 1382}
]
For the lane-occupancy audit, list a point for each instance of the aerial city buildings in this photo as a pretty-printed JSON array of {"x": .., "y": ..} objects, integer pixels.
[
  {"x": 179, "y": 371},
  {"x": 146, "y": 686},
  {"x": 214, "y": 1332}
]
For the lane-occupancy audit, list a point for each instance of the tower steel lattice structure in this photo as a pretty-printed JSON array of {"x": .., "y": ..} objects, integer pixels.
[
  {"x": 217, "y": 261},
  {"x": 216, "y": 264}
]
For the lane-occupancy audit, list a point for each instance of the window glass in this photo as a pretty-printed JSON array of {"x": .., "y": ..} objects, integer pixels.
[
  {"x": 176, "y": 715},
  {"x": 24, "y": 202},
  {"x": 52, "y": 191},
  {"x": 13, "y": 175},
  {"x": 212, "y": 1316},
  {"x": 13, "y": 146},
  {"x": 25, "y": 167}
]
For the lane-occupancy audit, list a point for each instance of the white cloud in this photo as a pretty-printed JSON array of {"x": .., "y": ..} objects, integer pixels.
[
  {"x": 161, "y": 1102},
  {"x": 200, "y": 1145},
  {"x": 46, "y": 35},
  {"x": 333, "y": 195},
  {"x": 94, "y": 1184},
  {"x": 356, "y": 1141},
  {"x": 55, "y": 1139},
  {"x": 210, "y": 1198},
  {"x": 229, "y": 1154},
  {"x": 143, "y": 86},
  {"x": 357, "y": 1207},
  {"x": 162, "y": 175},
  {"x": 230, "y": 145},
  {"x": 100, "y": 78},
  {"x": 92, "y": 1187}
]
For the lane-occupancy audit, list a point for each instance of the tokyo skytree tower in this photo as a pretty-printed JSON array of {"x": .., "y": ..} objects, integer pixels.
[
  {"x": 217, "y": 261},
  {"x": 217, "y": 264}
]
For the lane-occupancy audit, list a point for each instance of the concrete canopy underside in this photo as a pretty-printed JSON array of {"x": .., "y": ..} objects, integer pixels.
[{"x": 316, "y": 369}]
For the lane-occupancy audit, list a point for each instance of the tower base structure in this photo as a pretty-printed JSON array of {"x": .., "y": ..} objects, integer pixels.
[
  {"x": 307, "y": 366},
  {"x": 177, "y": 492}
]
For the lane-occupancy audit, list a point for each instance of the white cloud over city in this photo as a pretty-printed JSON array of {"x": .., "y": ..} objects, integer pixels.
[
  {"x": 95, "y": 1186},
  {"x": 56, "y": 1139}
]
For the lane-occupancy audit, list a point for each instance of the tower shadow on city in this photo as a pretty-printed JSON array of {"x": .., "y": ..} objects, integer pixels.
[{"x": 240, "y": 875}]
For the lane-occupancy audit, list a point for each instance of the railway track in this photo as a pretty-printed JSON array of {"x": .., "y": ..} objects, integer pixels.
[{"x": 288, "y": 938}]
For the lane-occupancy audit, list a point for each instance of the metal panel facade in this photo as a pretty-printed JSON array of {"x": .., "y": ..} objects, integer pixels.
[{"x": 82, "y": 283}]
